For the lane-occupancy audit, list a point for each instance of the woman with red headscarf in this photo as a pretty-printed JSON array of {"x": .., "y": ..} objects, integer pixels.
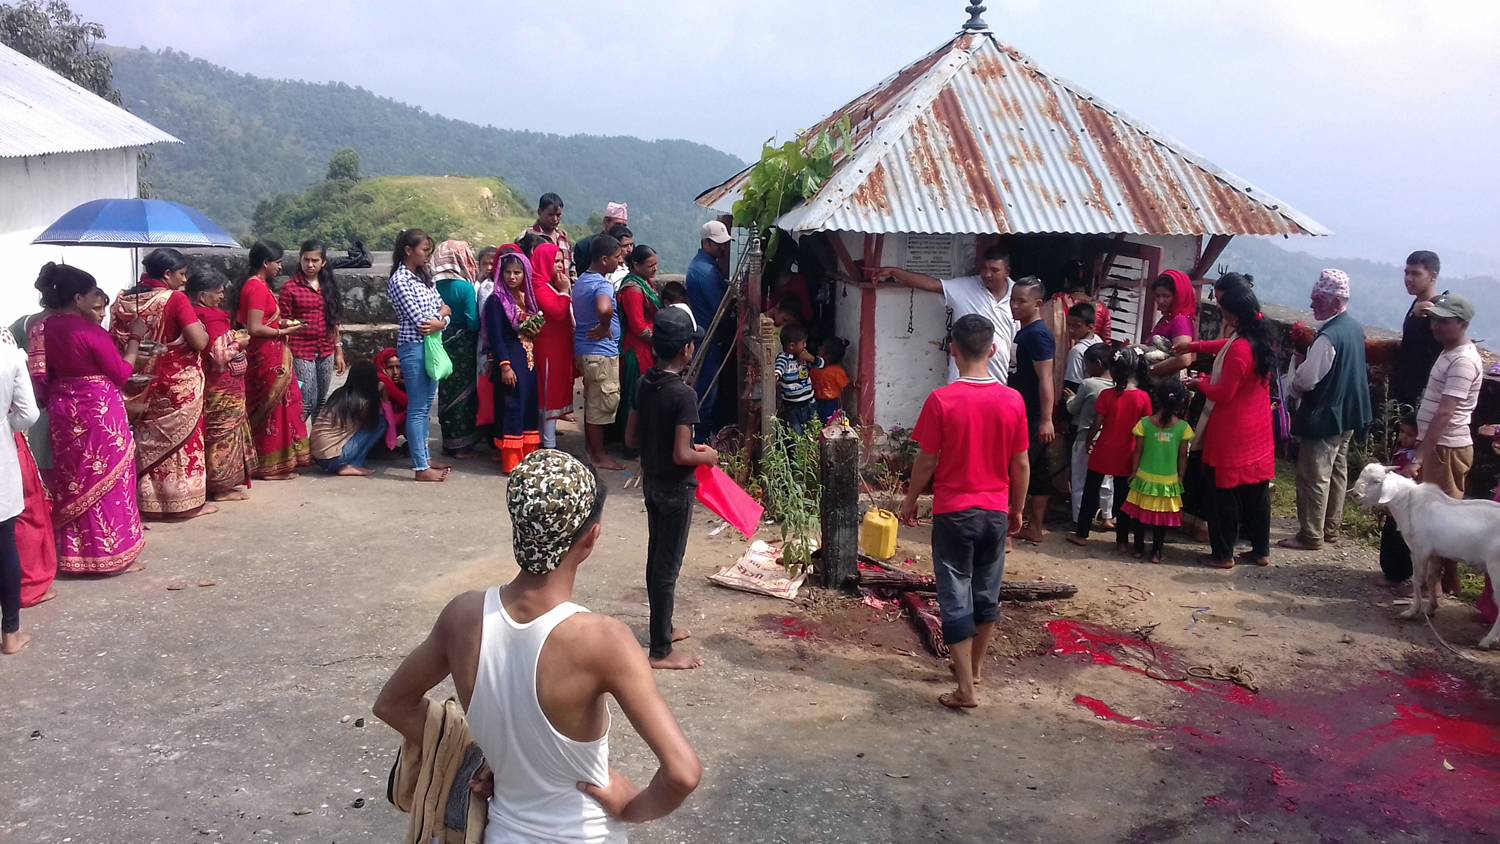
[
  {"x": 511, "y": 323},
  {"x": 1177, "y": 302},
  {"x": 393, "y": 401},
  {"x": 554, "y": 345}
]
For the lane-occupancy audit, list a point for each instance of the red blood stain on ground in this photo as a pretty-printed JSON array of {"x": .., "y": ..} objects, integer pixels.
[
  {"x": 789, "y": 626},
  {"x": 1354, "y": 762}
]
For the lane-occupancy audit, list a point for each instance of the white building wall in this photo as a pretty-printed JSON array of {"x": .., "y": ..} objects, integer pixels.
[
  {"x": 35, "y": 191},
  {"x": 909, "y": 365}
]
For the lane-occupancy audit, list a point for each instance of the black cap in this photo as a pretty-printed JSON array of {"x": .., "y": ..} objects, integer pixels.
[{"x": 672, "y": 329}]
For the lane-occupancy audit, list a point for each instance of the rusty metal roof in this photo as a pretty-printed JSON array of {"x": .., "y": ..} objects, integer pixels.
[
  {"x": 974, "y": 138},
  {"x": 43, "y": 113}
]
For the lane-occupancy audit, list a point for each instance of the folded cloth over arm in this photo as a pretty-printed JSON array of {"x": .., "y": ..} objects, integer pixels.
[{"x": 431, "y": 782}]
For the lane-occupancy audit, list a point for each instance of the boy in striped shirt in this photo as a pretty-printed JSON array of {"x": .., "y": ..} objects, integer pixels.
[{"x": 793, "y": 376}]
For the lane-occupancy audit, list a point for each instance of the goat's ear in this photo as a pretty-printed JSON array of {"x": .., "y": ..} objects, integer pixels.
[{"x": 1389, "y": 487}]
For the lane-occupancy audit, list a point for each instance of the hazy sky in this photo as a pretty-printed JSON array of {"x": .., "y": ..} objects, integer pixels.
[{"x": 1379, "y": 118}]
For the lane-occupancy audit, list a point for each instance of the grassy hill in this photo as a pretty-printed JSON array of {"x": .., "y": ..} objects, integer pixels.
[
  {"x": 248, "y": 139},
  {"x": 481, "y": 211}
]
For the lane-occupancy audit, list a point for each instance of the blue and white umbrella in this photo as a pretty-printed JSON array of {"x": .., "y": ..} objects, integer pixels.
[{"x": 135, "y": 222}]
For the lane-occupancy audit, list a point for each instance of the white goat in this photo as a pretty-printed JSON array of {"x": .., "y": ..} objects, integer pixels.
[{"x": 1435, "y": 526}]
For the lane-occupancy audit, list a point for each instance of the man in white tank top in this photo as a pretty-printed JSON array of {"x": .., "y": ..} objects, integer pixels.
[{"x": 532, "y": 670}]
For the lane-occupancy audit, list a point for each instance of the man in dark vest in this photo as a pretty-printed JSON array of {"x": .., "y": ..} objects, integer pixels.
[{"x": 1335, "y": 389}]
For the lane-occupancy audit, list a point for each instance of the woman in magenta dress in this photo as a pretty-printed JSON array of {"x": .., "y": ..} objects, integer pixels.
[
  {"x": 1177, "y": 302},
  {"x": 93, "y": 480}
]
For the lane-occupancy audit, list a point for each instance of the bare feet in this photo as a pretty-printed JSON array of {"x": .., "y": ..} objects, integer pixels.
[
  {"x": 677, "y": 661},
  {"x": 1297, "y": 543},
  {"x": 681, "y": 633},
  {"x": 1078, "y": 540},
  {"x": 1156, "y": 558},
  {"x": 1031, "y": 533},
  {"x": 1249, "y": 558},
  {"x": 206, "y": 510},
  {"x": 442, "y": 466},
  {"x": 607, "y": 463},
  {"x": 14, "y": 643},
  {"x": 354, "y": 472},
  {"x": 288, "y": 476},
  {"x": 953, "y": 701},
  {"x": 1220, "y": 564},
  {"x": 234, "y": 495},
  {"x": 135, "y": 568},
  {"x": 432, "y": 476},
  {"x": 51, "y": 593}
]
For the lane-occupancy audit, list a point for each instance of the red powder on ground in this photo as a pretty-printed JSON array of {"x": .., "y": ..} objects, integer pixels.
[
  {"x": 790, "y": 627},
  {"x": 1365, "y": 759},
  {"x": 1103, "y": 710}
]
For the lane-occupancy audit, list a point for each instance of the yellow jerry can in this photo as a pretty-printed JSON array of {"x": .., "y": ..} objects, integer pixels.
[{"x": 877, "y": 536}]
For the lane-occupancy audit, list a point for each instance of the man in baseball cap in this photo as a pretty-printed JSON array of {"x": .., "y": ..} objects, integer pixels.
[
  {"x": 661, "y": 426},
  {"x": 707, "y": 283},
  {"x": 1445, "y": 444},
  {"x": 1335, "y": 389},
  {"x": 492, "y": 643}
]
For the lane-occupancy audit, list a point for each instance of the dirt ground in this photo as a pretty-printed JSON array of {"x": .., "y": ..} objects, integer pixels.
[{"x": 217, "y": 696}]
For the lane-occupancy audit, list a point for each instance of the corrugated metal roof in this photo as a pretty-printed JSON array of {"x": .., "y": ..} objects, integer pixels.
[
  {"x": 974, "y": 138},
  {"x": 42, "y": 113}
]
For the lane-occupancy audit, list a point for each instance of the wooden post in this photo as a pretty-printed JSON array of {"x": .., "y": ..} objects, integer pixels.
[{"x": 838, "y": 469}]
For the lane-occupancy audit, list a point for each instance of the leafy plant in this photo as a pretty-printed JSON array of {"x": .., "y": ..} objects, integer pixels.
[
  {"x": 787, "y": 175},
  {"x": 790, "y": 479}
]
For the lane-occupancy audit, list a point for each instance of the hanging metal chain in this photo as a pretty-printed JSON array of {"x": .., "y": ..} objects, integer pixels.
[{"x": 911, "y": 311}]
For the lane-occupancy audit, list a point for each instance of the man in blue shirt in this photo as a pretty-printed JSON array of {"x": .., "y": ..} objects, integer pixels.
[
  {"x": 706, "y": 287},
  {"x": 596, "y": 345}
]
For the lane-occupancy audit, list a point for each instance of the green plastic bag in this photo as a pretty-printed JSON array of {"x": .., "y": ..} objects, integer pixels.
[{"x": 439, "y": 365}]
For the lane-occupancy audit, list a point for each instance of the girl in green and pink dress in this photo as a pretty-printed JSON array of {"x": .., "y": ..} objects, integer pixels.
[{"x": 1155, "y": 497}]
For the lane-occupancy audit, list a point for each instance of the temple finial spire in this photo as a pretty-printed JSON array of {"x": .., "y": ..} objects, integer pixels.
[{"x": 975, "y": 22}]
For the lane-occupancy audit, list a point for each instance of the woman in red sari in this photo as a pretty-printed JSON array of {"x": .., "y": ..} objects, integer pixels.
[
  {"x": 554, "y": 345},
  {"x": 272, "y": 396},
  {"x": 228, "y": 446},
  {"x": 167, "y": 410},
  {"x": 93, "y": 479},
  {"x": 35, "y": 542}
]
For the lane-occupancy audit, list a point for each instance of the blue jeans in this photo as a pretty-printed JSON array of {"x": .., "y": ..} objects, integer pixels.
[
  {"x": 421, "y": 391},
  {"x": 356, "y": 450}
]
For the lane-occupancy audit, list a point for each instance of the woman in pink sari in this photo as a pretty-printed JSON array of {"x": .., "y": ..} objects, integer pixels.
[
  {"x": 167, "y": 413},
  {"x": 93, "y": 480}
]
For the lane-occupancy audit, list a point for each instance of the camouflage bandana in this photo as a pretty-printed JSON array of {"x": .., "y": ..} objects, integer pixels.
[{"x": 550, "y": 496}]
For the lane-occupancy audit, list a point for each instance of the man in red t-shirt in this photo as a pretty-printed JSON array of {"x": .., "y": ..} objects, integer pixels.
[{"x": 974, "y": 455}]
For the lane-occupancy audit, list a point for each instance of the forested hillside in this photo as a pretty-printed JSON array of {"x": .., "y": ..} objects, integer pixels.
[
  {"x": 248, "y": 139},
  {"x": 1285, "y": 277}
]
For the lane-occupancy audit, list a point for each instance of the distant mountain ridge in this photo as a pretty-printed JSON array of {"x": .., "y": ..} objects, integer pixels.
[
  {"x": 1378, "y": 296},
  {"x": 247, "y": 139}
]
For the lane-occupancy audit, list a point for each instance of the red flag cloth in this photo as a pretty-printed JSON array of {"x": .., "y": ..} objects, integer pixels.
[{"x": 725, "y": 499}]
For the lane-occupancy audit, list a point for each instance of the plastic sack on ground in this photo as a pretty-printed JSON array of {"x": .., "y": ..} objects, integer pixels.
[{"x": 759, "y": 570}]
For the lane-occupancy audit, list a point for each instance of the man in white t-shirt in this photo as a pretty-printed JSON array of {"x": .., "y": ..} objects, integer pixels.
[
  {"x": 1445, "y": 446},
  {"x": 986, "y": 294}
]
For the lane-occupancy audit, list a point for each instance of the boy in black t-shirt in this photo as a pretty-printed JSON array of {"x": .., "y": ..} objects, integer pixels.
[{"x": 661, "y": 426}]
